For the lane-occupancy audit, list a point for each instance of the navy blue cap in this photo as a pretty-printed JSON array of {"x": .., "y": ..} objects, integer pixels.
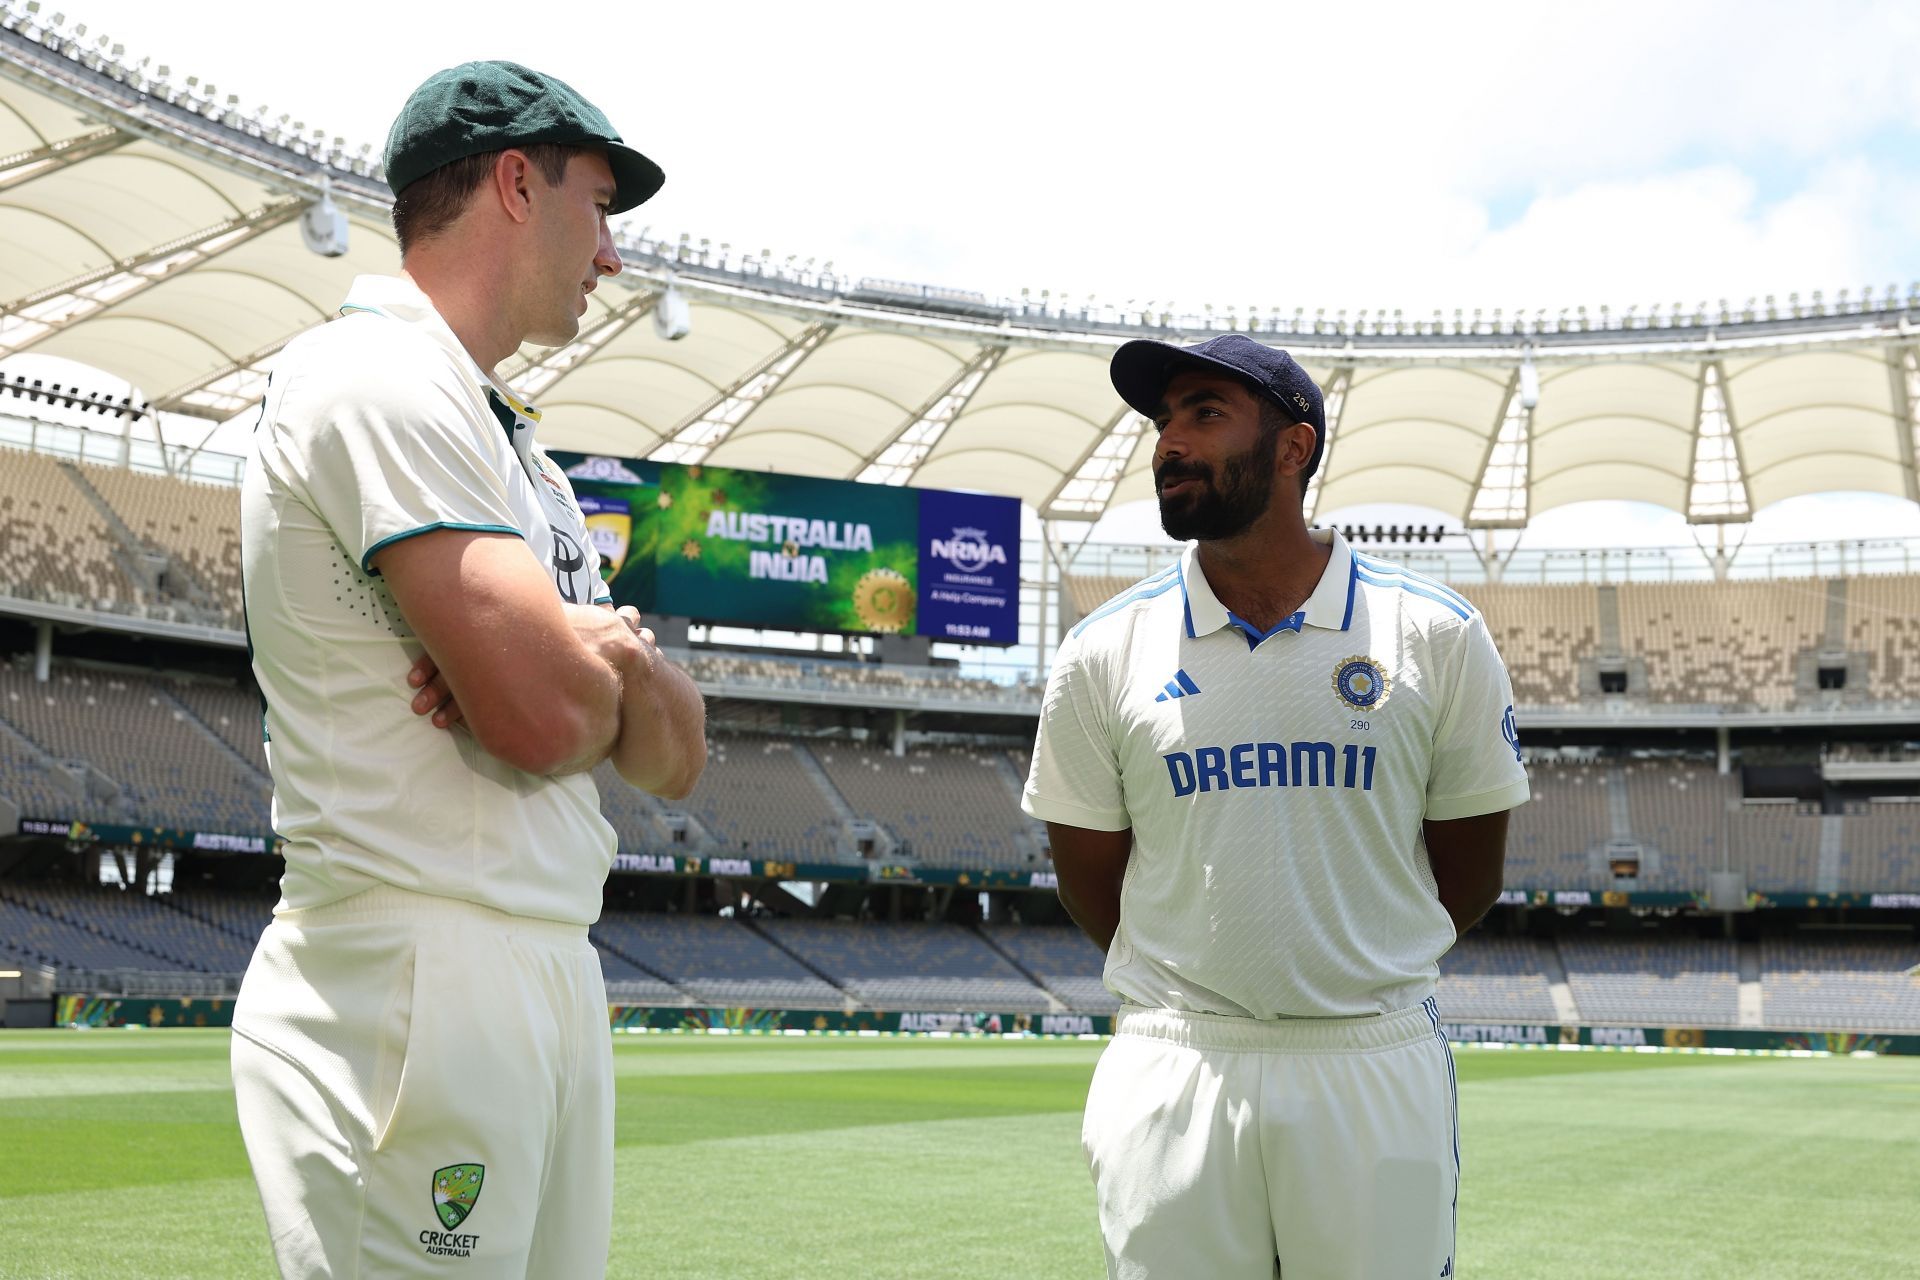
[{"x": 1141, "y": 371}]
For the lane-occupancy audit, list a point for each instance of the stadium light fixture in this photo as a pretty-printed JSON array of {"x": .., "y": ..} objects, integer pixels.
[
  {"x": 1529, "y": 383},
  {"x": 323, "y": 225},
  {"x": 673, "y": 314}
]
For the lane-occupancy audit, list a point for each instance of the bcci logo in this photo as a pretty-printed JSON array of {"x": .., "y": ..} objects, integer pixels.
[
  {"x": 1511, "y": 732},
  {"x": 1361, "y": 683},
  {"x": 968, "y": 550}
]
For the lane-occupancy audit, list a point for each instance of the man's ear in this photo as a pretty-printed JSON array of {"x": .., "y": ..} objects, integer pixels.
[
  {"x": 512, "y": 174},
  {"x": 1297, "y": 447}
]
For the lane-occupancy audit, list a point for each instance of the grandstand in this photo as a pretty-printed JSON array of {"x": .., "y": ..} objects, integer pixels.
[
  {"x": 1486, "y": 978},
  {"x": 1647, "y": 683},
  {"x": 1616, "y": 979}
]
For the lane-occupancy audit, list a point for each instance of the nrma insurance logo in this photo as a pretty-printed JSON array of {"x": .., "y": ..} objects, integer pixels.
[{"x": 968, "y": 550}]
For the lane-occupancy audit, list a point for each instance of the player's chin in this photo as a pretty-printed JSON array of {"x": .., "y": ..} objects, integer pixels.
[{"x": 562, "y": 329}]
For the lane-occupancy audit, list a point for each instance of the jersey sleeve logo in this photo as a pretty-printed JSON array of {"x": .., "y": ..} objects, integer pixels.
[
  {"x": 1511, "y": 732},
  {"x": 1361, "y": 683}
]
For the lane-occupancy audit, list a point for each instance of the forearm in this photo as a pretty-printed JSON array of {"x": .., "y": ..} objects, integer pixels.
[
  {"x": 1467, "y": 898},
  {"x": 662, "y": 742},
  {"x": 1468, "y": 857},
  {"x": 1093, "y": 901},
  {"x": 590, "y": 706}
]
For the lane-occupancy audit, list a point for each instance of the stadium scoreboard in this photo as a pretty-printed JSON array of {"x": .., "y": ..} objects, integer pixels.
[{"x": 801, "y": 553}]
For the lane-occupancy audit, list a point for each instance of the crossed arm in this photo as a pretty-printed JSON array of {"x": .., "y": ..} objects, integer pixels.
[
  {"x": 547, "y": 687},
  {"x": 1467, "y": 856}
]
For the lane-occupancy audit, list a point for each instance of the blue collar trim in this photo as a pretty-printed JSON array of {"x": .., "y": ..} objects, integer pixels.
[{"x": 1255, "y": 635}]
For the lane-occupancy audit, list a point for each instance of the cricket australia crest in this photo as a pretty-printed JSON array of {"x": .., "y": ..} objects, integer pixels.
[{"x": 456, "y": 1189}]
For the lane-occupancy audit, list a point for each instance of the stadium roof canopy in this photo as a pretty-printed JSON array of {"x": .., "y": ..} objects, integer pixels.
[{"x": 152, "y": 229}]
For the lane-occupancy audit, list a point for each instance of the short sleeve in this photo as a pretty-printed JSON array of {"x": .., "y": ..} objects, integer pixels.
[
  {"x": 1476, "y": 766},
  {"x": 1075, "y": 779},
  {"x": 385, "y": 454}
]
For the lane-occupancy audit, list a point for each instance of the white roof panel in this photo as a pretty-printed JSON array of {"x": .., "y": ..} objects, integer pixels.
[{"x": 1816, "y": 394}]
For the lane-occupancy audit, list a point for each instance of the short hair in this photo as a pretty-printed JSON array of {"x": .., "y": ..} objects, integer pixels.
[
  {"x": 431, "y": 204},
  {"x": 1274, "y": 418}
]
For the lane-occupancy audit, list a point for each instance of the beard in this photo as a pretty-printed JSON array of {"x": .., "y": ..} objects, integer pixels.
[{"x": 1208, "y": 512}]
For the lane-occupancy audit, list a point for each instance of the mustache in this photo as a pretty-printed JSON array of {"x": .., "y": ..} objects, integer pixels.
[{"x": 1178, "y": 470}]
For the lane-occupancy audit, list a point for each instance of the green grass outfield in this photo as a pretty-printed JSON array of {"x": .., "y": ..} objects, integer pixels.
[{"x": 741, "y": 1158}]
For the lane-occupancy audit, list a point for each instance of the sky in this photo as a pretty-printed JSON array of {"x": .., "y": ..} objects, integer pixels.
[{"x": 1391, "y": 156}]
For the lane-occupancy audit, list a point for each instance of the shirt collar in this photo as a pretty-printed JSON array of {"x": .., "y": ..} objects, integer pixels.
[
  {"x": 399, "y": 298},
  {"x": 1330, "y": 606}
]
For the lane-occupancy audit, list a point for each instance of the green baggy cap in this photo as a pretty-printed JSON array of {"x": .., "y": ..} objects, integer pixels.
[{"x": 490, "y": 106}]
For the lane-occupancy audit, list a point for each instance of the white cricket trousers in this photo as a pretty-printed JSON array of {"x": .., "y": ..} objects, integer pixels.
[
  {"x": 425, "y": 1088},
  {"x": 1235, "y": 1149}
]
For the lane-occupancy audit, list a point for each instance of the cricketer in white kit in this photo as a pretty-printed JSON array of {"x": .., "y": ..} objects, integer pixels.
[
  {"x": 421, "y": 1058},
  {"x": 1276, "y": 777}
]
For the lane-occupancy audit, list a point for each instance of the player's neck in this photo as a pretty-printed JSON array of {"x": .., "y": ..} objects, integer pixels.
[
  {"x": 466, "y": 300},
  {"x": 1265, "y": 574}
]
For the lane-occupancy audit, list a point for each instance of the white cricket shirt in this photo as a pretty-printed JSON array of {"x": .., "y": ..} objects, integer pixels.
[
  {"x": 1276, "y": 783},
  {"x": 376, "y": 427}
]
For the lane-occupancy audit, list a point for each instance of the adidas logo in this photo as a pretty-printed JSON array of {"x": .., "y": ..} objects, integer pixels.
[{"x": 1179, "y": 687}]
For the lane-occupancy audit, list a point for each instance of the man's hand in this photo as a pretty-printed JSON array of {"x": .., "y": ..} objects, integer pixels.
[{"x": 615, "y": 637}]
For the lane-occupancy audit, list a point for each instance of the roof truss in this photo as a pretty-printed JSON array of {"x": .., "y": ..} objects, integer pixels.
[
  {"x": 1083, "y": 493},
  {"x": 23, "y": 167},
  {"x": 36, "y": 316},
  {"x": 1718, "y": 492},
  {"x": 1504, "y": 495},
  {"x": 702, "y": 433},
  {"x": 900, "y": 455},
  {"x": 536, "y": 377}
]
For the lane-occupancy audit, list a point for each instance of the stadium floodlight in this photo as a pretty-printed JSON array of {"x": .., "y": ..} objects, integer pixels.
[
  {"x": 672, "y": 314},
  {"x": 323, "y": 225},
  {"x": 1529, "y": 383}
]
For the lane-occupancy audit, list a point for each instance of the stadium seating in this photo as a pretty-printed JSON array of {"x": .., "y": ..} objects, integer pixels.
[
  {"x": 1637, "y": 980},
  {"x": 1065, "y": 960},
  {"x": 715, "y": 961},
  {"x": 910, "y": 966},
  {"x": 53, "y": 545},
  {"x": 1822, "y": 982},
  {"x": 1492, "y": 979},
  {"x": 626, "y": 809},
  {"x": 35, "y": 786},
  {"x": 1549, "y": 836},
  {"x": 829, "y": 676},
  {"x": 1883, "y": 620},
  {"x": 1679, "y": 808},
  {"x": 80, "y": 929},
  {"x": 233, "y": 714},
  {"x": 1542, "y": 633},
  {"x": 1778, "y": 845},
  {"x": 1725, "y": 642},
  {"x": 949, "y": 808},
  {"x": 198, "y": 525},
  {"x": 1880, "y": 849},
  {"x": 756, "y": 799},
  {"x": 242, "y": 916},
  {"x": 174, "y": 939},
  {"x": 170, "y": 772}
]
